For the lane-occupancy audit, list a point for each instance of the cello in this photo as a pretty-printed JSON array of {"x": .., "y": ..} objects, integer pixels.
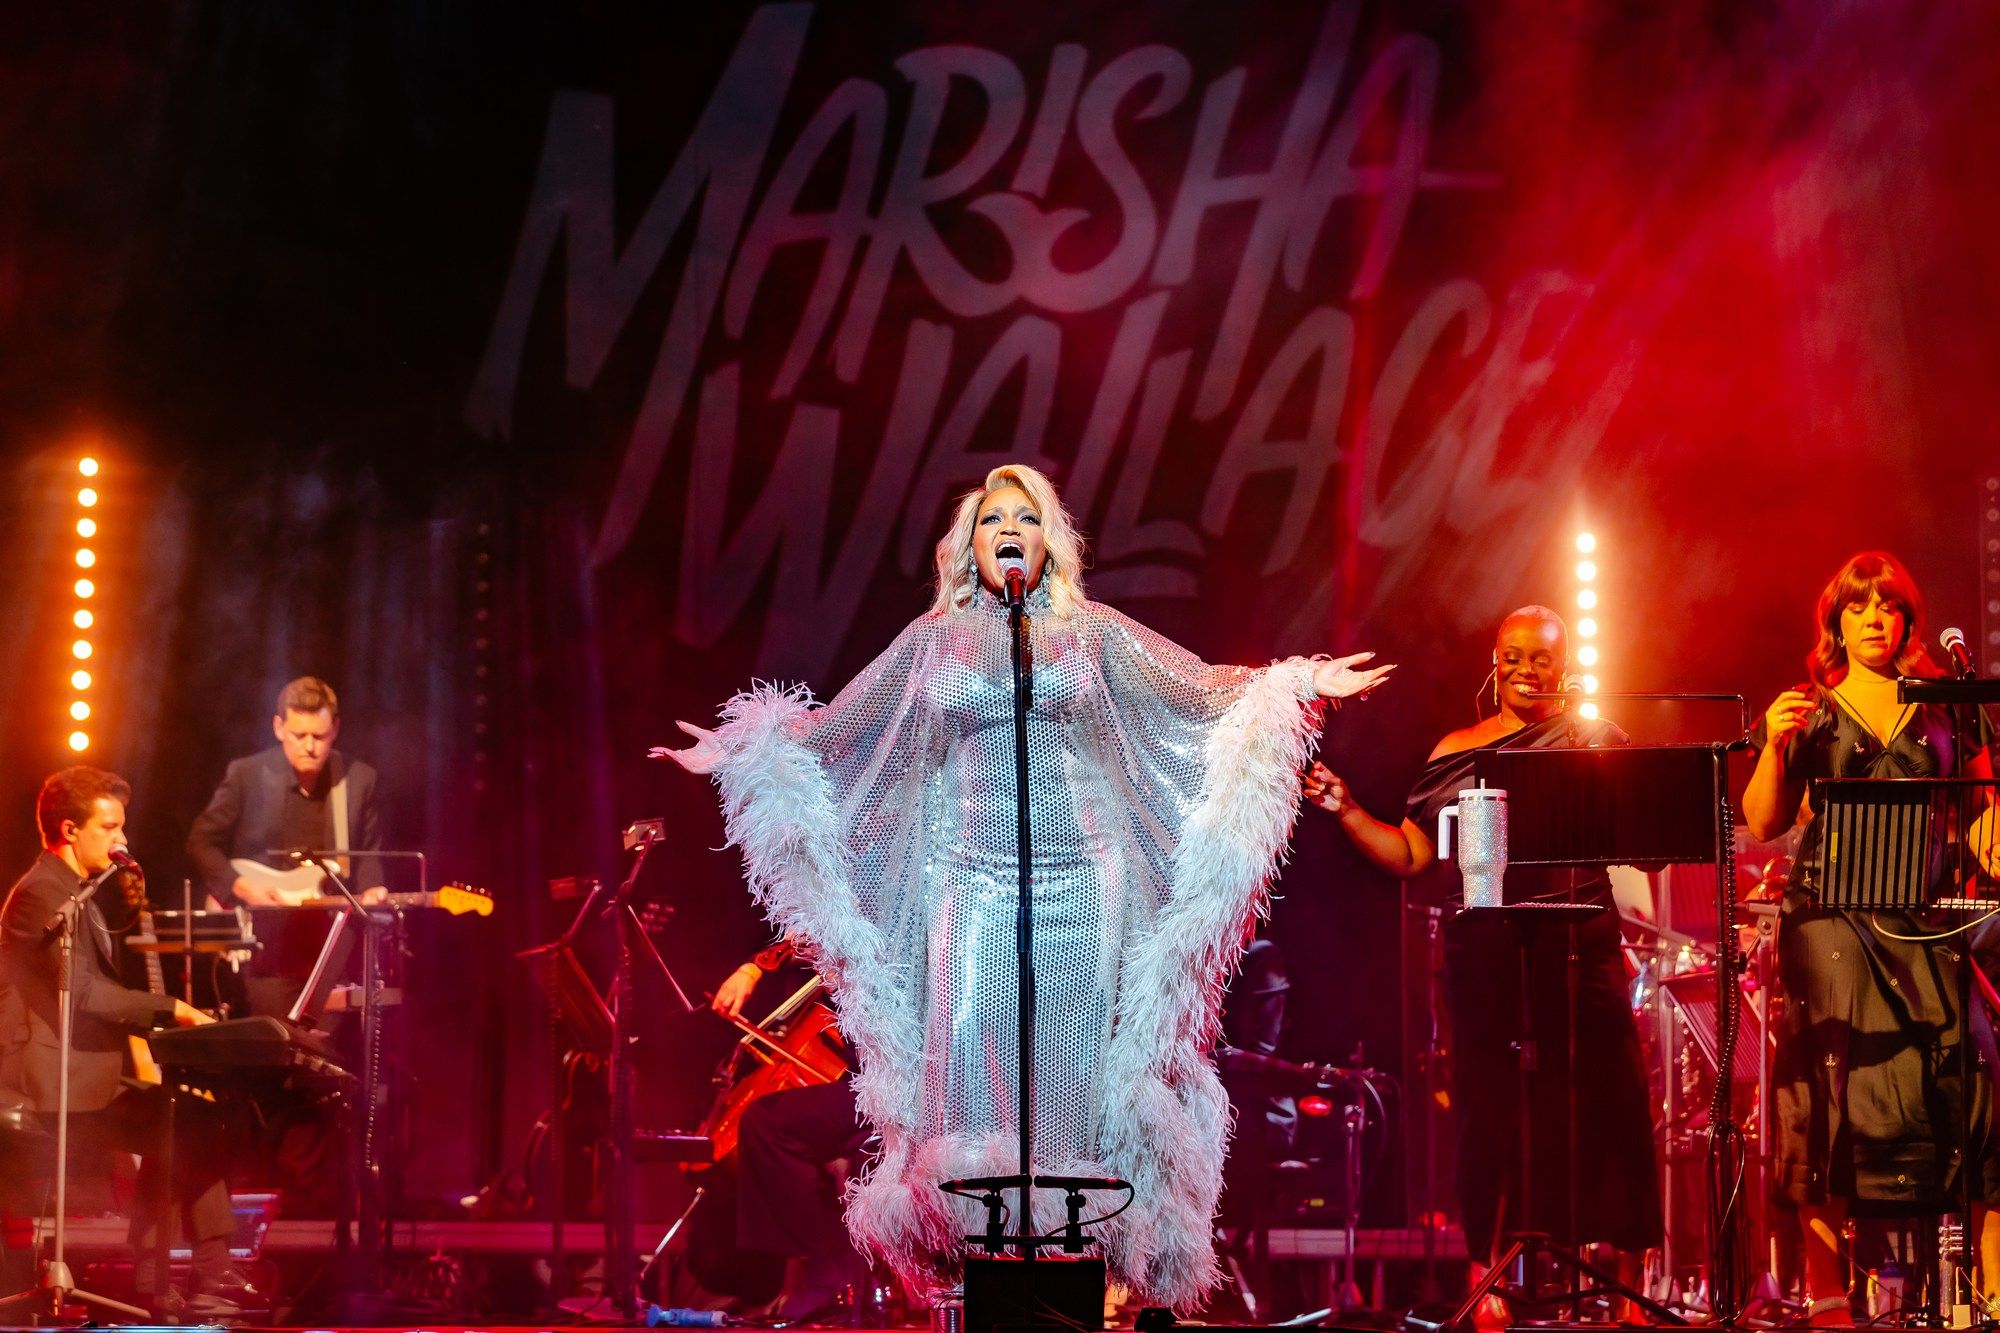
[{"x": 798, "y": 1045}]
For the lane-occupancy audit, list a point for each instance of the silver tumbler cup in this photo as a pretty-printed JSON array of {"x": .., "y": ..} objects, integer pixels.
[{"x": 1481, "y": 813}]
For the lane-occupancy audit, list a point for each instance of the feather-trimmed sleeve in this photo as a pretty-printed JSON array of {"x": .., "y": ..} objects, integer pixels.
[
  {"x": 826, "y": 804},
  {"x": 1208, "y": 759}
]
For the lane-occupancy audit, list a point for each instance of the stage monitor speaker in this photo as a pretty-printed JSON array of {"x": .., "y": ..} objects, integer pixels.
[{"x": 1010, "y": 1294}]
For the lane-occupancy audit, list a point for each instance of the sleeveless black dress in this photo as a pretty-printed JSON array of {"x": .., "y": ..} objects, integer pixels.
[
  {"x": 1868, "y": 1101},
  {"x": 1617, "y": 1194}
]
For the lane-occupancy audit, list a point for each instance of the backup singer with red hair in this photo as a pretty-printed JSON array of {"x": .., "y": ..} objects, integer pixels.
[
  {"x": 1868, "y": 1103},
  {"x": 880, "y": 828}
]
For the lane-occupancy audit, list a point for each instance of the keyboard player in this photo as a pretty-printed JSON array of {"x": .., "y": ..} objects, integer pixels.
[{"x": 81, "y": 815}]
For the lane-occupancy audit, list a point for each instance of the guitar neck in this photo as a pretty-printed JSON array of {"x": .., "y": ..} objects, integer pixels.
[{"x": 156, "y": 980}]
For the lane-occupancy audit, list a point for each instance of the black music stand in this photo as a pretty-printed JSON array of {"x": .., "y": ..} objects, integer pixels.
[
  {"x": 577, "y": 1008},
  {"x": 1583, "y": 808}
]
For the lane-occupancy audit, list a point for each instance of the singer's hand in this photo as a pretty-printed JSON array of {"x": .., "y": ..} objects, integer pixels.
[
  {"x": 701, "y": 757},
  {"x": 1338, "y": 679},
  {"x": 1321, "y": 787},
  {"x": 378, "y": 894},
  {"x": 1787, "y": 714},
  {"x": 187, "y": 1016}
]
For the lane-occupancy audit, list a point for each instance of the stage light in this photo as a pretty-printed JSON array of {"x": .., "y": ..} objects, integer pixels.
[
  {"x": 1586, "y": 652},
  {"x": 81, "y": 615}
]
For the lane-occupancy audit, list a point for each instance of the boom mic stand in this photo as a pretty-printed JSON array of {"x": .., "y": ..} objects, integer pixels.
[
  {"x": 56, "y": 1285},
  {"x": 621, "y": 1264}
]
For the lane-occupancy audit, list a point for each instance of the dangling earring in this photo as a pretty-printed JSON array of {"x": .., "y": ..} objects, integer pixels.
[{"x": 1494, "y": 674}]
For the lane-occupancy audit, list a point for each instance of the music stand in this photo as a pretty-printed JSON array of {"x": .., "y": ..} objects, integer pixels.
[{"x": 1590, "y": 807}]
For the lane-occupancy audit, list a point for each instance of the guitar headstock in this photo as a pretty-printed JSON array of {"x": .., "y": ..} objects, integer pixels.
[
  {"x": 461, "y": 899},
  {"x": 131, "y": 886}
]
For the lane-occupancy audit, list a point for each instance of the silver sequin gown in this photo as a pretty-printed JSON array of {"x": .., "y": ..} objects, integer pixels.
[{"x": 881, "y": 829}]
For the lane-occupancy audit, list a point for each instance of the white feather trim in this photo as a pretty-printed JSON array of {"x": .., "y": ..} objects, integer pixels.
[
  {"x": 779, "y": 809},
  {"x": 1166, "y": 1118}
]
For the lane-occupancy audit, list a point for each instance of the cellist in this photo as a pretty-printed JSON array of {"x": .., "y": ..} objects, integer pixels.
[{"x": 787, "y": 1202}]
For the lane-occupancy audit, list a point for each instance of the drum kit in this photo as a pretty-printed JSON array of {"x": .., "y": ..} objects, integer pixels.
[{"x": 1671, "y": 954}]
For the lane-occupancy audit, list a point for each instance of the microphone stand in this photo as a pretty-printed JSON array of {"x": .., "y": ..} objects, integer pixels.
[
  {"x": 620, "y": 1213},
  {"x": 1017, "y": 1290},
  {"x": 1024, "y": 908},
  {"x": 57, "y": 1284},
  {"x": 365, "y": 1172}
]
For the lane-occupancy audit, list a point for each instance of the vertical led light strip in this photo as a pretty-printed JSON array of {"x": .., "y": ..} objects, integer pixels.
[
  {"x": 1586, "y": 653},
  {"x": 1989, "y": 576},
  {"x": 83, "y": 618}
]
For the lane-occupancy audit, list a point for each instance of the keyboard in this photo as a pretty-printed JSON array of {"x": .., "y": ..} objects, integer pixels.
[{"x": 239, "y": 1045}]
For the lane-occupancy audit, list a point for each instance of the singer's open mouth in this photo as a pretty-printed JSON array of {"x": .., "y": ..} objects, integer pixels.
[{"x": 1009, "y": 550}]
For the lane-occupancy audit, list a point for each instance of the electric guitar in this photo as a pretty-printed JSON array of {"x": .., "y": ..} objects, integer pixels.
[
  {"x": 300, "y": 887},
  {"x": 145, "y": 1069}
]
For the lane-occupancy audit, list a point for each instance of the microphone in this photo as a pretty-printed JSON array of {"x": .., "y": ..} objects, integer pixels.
[
  {"x": 124, "y": 860},
  {"x": 1014, "y": 571},
  {"x": 1953, "y": 642}
]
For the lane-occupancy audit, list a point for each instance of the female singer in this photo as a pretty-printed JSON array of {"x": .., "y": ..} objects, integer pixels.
[
  {"x": 881, "y": 828},
  {"x": 1617, "y": 1190},
  {"x": 1869, "y": 1104}
]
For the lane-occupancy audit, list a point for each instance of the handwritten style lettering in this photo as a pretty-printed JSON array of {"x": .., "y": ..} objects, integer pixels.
[{"x": 988, "y": 336}]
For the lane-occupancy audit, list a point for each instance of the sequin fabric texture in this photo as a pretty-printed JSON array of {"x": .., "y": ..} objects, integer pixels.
[{"x": 1115, "y": 740}]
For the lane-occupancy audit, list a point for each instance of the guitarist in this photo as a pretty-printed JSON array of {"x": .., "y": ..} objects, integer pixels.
[
  {"x": 301, "y": 794},
  {"x": 81, "y": 813}
]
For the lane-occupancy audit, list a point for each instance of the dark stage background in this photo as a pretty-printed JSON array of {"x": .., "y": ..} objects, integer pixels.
[{"x": 542, "y": 376}]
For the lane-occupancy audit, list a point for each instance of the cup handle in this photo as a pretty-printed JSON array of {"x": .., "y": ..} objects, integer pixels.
[{"x": 1445, "y": 816}]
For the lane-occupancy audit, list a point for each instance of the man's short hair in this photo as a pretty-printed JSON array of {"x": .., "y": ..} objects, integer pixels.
[
  {"x": 308, "y": 694},
  {"x": 71, "y": 794}
]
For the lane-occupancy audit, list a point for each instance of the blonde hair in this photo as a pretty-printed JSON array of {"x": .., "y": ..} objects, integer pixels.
[{"x": 1062, "y": 571}]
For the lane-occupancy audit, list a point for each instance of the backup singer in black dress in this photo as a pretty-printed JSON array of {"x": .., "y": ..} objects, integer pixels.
[
  {"x": 1870, "y": 1111},
  {"x": 1617, "y": 1189}
]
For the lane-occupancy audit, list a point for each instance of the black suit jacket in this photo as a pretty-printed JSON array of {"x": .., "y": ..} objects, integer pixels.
[
  {"x": 242, "y": 817},
  {"x": 106, "y": 1010}
]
